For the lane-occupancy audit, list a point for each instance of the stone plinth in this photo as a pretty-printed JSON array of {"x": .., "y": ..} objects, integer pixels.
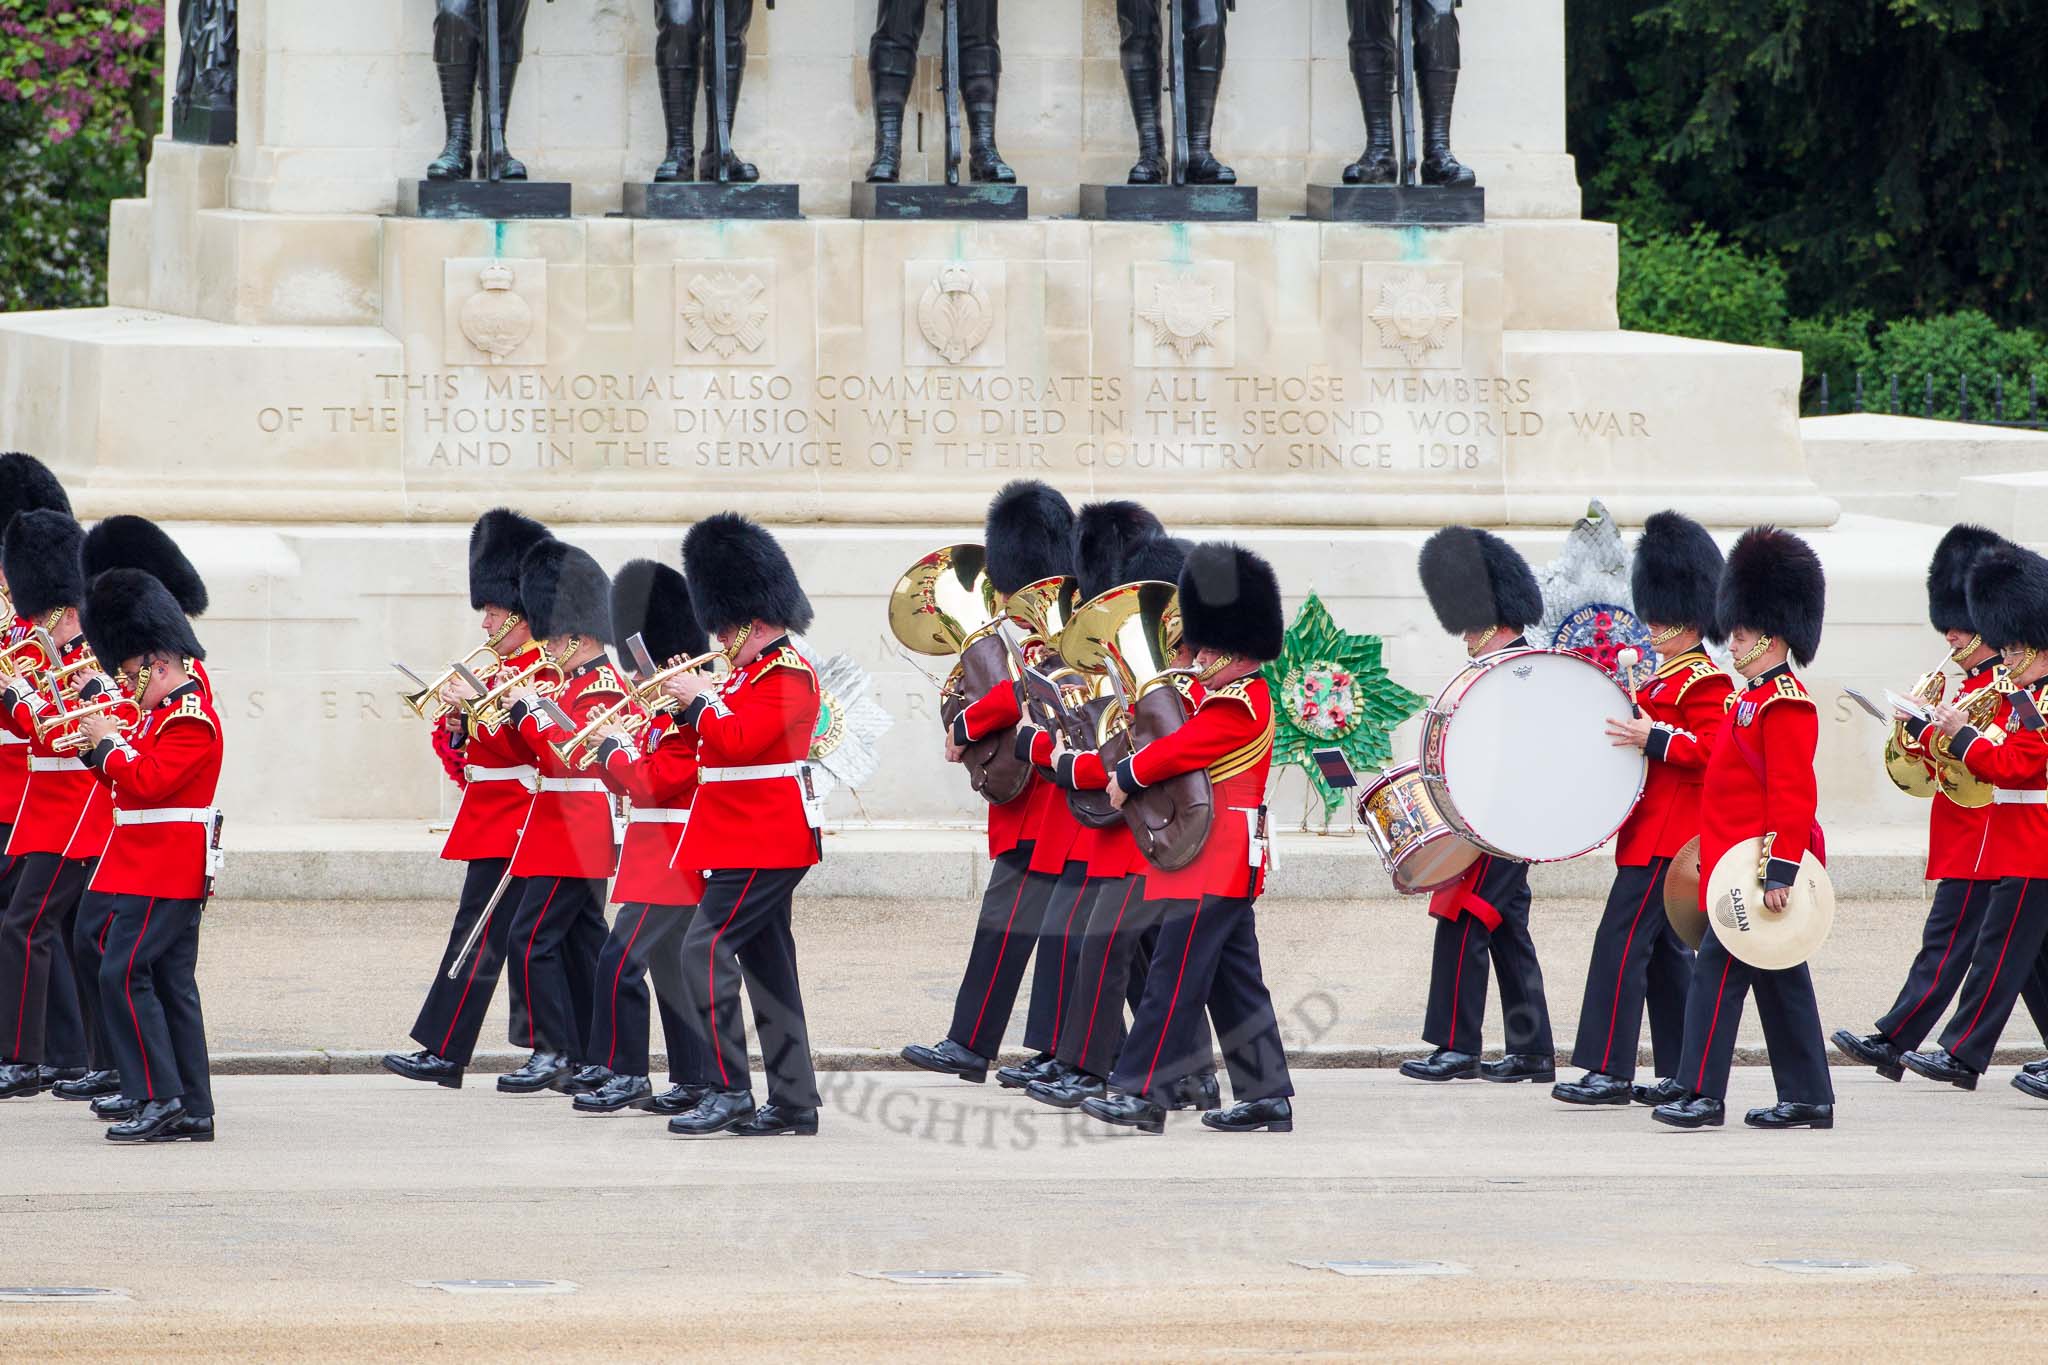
[{"x": 1917, "y": 469}]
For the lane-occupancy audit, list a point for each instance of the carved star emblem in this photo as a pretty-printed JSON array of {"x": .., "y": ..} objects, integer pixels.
[
  {"x": 1414, "y": 315},
  {"x": 1184, "y": 314},
  {"x": 725, "y": 314}
]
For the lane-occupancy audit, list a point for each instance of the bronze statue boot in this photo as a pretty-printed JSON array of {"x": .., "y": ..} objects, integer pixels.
[
  {"x": 1203, "y": 167},
  {"x": 984, "y": 162},
  {"x": 1439, "y": 167},
  {"x": 736, "y": 171},
  {"x": 509, "y": 166},
  {"x": 1143, "y": 83},
  {"x": 891, "y": 93},
  {"x": 679, "y": 114},
  {"x": 1377, "y": 164},
  {"x": 458, "y": 87}
]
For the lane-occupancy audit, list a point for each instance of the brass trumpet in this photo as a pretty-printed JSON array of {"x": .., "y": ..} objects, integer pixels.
[
  {"x": 428, "y": 704},
  {"x": 490, "y": 710},
  {"x": 74, "y": 739},
  {"x": 632, "y": 713},
  {"x": 13, "y": 658}
]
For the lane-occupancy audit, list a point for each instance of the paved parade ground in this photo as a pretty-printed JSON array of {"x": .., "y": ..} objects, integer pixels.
[{"x": 312, "y": 1227}]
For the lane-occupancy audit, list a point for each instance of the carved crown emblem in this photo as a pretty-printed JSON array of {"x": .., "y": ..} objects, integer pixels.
[{"x": 495, "y": 319}]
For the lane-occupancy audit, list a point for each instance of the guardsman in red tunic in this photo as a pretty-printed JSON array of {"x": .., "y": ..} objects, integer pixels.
[
  {"x": 567, "y": 849},
  {"x": 1207, "y": 957},
  {"x": 1482, "y": 589},
  {"x": 1958, "y": 837},
  {"x": 2008, "y": 599},
  {"x": 656, "y": 898},
  {"x": 753, "y": 831},
  {"x": 158, "y": 868},
  {"x": 1638, "y": 958},
  {"x": 1760, "y": 784},
  {"x": 485, "y": 758},
  {"x": 1028, "y": 533}
]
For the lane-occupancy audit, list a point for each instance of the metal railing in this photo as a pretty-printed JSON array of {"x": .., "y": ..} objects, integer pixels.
[{"x": 2005, "y": 407}]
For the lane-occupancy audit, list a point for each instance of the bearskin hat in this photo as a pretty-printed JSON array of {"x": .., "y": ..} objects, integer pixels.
[
  {"x": 2008, "y": 597},
  {"x": 1105, "y": 533},
  {"x": 1030, "y": 535},
  {"x": 563, "y": 591},
  {"x": 27, "y": 485},
  {"x": 1773, "y": 583},
  {"x": 651, "y": 600},
  {"x": 39, "y": 555},
  {"x": 1158, "y": 560},
  {"x": 126, "y": 542},
  {"x": 1676, "y": 572},
  {"x": 497, "y": 544},
  {"x": 1230, "y": 601},
  {"x": 128, "y": 614},
  {"x": 1475, "y": 581},
  {"x": 739, "y": 573},
  {"x": 1948, "y": 575}
]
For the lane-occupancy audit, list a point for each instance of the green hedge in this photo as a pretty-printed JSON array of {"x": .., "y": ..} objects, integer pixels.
[{"x": 53, "y": 212}]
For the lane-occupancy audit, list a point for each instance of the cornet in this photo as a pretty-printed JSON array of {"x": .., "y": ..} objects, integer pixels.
[
  {"x": 124, "y": 709},
  {"x": 429, "y": 705},
  {"x": 490, "y": 710},
  {"x": 632, "y": 713}
]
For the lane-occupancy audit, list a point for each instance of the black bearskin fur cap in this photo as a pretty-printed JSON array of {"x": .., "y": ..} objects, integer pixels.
[
  {"x": 128, "y": 614},
  {"x": 27, "y": 485},
  {"x": 497, "y": 544},
  {"x": 564, "y": 592},
  {"x": 1676, "y": 572},
  {"x": 39, "y": 554},
  {"x": 1948, "y": 575},
  {"x": 739, "y": 573},
  {"x": 1158, "y": 560},
  {"x": 1105, "y": 534},
  {"x": 1475, "y": 580},
  {"x": 126, "y": 542},
  {"x": 651, "y": 600},
  {"x": 1773, "y": 583},
  {"x": 2008, "y": 595},
  {"x": 1030, "y": 535},
  {"x": 1230, "y": 601}
]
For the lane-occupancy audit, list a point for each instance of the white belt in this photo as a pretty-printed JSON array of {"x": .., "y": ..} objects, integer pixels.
[
  {"x": 759, "y": 772},
  {"x": 472, "y": 773},
  {"x": 2036, "y": 797},
  {"x": 38, "y": 764},
  {"x": 166, "y": 815},
  {"x": 658, "y": 816},
  {"x": 572, "y": 784}
]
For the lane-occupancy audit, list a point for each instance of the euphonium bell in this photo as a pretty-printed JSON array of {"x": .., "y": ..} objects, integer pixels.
[
  {"x": 943, "y": 601},
  {"x": 1909, "y": 772},
  {"x": 1132, "y": 630},
  {"x": 1956, "y": 781}
]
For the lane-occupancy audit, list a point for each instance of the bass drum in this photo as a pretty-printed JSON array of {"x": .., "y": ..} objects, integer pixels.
[
  {"x": 1421, "y": 851},
  {"x": 1516, "y": 756},
  {"x": 997, "y": 774}
]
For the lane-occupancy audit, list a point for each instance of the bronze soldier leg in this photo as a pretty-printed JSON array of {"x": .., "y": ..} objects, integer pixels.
[
  {"x": 981, "y": 75},
  {"x": 892, "y": 62},
  {"x": 739, "y": 15},
  {"x": 1372, "y": 68},
  {"x": 1437, "y": 62},
  {"x": 1138, "y": 23},
  {"x": 457, "y": 44},
  {"x": 676, "y": 44},
  {"x": 1203, "y": 26}
]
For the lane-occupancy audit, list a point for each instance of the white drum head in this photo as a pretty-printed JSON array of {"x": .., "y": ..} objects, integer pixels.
[{"x": 1527, "y": 761}]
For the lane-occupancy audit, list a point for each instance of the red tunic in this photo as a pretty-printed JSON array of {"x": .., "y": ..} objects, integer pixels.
[
  {"x": 1685, "y": 702},
  {"x": 171, "y": 765},
  {"x": 63, "y": 810},
  {"x": 568, "y": 829},
  {"x": 13, "y": 747},
  {"x": 1009, "y": 824},
  {"x": 1760, "y": 780},
  {"x": 761, "y": 718},
  {"x": 495, "y": 772},
  {"x": 2015, "y": 761},
  {"x": 661, "y": 784},
  {"x": 1959, "y": 837},
  {"x": 1230, "y": 735}
]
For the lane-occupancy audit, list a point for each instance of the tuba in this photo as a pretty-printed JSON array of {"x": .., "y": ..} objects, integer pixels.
[
  {"x": 944, "y": 606},
  {"x": 1119, "y": 642}
]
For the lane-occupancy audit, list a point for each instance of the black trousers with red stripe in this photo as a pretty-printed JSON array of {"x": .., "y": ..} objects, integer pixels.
[
  {"x": 37, "y": 989},
  {"x": 88, "y": 949},
  {"x": 742, "y": 933},
  {"x": 646, "y": 944},
  {"x": 557, "y": 932},
  {"x": 1207, "y": 959},
  {"x": 1005, "y": 933},
  {"x": 1947, "y": 942},
  {"x": 2008, "y": 947},
  {"x": 1638, "y": 962},
  {"x": 1111, "y": 954},
  {"x": 451, "y": 1018},
  {"x": 1786, "y": 1008},
  {"x": 1058, "y": 969},
  {"x": 1457, "y": 978},
  {"x": 149, "y": 981}
]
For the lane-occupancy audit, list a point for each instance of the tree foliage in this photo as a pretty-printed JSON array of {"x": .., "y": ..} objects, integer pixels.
[{"x": 88, "y": 69}]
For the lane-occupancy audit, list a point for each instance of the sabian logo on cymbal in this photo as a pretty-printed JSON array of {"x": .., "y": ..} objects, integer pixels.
[{"x": 1733, "y": 911}]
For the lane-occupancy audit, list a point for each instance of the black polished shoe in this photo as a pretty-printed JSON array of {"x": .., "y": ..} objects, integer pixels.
[
  {"x": 1021, "y": 1074},
  {"x": 424, "y": 1066},
  {"x": 677, "y": 1099},
  {"x": 1519, "y": 1066},
  {"x": 152, "y": 1120},
  {"x": 716, "y": 1112},
  {"x": 90, "y": 1086},
  {"x": 1595, "y": 1087},
  {"x": 618, "y": 1092},
  {"x": 1126, "y": 1110},
  {"x": 1251, "y": 1116},
  {"x": 115, "y": 1108},
  {"x": 20, "y": 1080},
  {"x": 1696, "y": 1111},
  {"x": 947, "y": 1058},
  {"x": 1148, "y": 170},
  {"x": 187, "y": 1129},
  {"x": 1939, "y": 1066},
  {"x": 1441, "y": 1065},
  {"x": 2039, "y": 1068},
  {"x": 1204, "y": 169},
  {"x": 587, "y": 1080},
  {"x": 1664, "y": 1091},
  {"x": 2031, "y": 1083},
  {"x": 1198, "y": 1091},
  {"x": 774, "y": 1120},
  {"x": 1874, "y": 1050},
  {"x": 54, "y": 1076},
  {"x": 1067, "y": 1090},
  {"x": 1375, "y": 166},
  {"x": 1789, "y": 1115},
  {"x": 542, "y": 1071}
]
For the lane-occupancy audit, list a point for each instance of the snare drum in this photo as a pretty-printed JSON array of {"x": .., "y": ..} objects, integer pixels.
[
  {"x": 1516, "y": 756},
  {"x": 1420, "y": 849}
]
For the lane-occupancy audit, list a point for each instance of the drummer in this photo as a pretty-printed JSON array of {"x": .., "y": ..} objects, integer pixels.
[
  {"x": 1771, "y": 599},
  {"x": 1483, "y": 590},
  {"x": 1638, "y": 958}
]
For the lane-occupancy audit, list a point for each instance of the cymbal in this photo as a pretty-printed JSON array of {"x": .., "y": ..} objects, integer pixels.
[
  {"x": 1682, "y": 895},
  {"x": 1770, "y": 940}
]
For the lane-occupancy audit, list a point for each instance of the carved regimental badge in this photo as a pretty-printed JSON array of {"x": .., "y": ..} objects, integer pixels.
[
  {"x": 955, "y": 314},
  {"x": 725, "y": 314},
  {"x": 496, "y": 320},
  {"x": 1415, "y": 315},
  {"x": 1185, "y": 315}
]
